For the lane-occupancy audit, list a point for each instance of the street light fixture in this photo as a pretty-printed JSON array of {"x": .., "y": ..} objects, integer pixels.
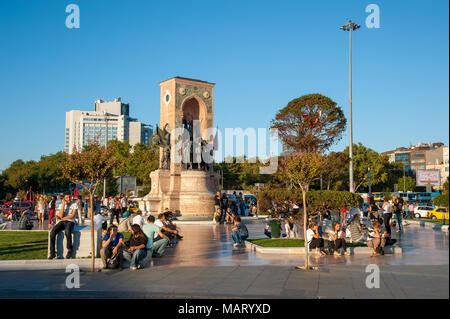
[{"x": 350, "y": 26}]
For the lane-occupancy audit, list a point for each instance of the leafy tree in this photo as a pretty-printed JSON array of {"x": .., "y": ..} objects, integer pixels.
[
  {"x": 142, "y": 161},
  {"x": 334, "y": 168},
  {"x": 111, "y": 187},
  {"x": 301, "y": 169},
  {"x": 239, "y": 173},
  {"x": 88, "y": 167},
  {"x": 406, "y": 184},
  {"x": 363, "y": 158},
  {"x": 49, "y": 173},
  {"x": 310, "y": 123},
  {"x": 442, "y": 200}
]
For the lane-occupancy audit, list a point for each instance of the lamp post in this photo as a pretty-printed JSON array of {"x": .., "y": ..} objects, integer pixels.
[
  {"x": 350, "y": 26},
  {"x": 106, "y": 146}
]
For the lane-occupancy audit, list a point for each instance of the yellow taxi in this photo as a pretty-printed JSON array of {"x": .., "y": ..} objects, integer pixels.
[{"x": 438, "y": 213}]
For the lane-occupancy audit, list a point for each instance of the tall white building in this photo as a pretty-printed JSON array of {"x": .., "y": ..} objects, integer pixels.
[{"x": 108, "y": 121}]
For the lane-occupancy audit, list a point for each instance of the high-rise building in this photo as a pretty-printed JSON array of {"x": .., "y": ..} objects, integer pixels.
[{"x": 108, "y": 121}]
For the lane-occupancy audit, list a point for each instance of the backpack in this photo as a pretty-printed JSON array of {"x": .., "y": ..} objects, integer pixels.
[
  {"x": 329, "y": 250},
  {"x": 113, "y": 262},
  {"x": 380, "y": 250}
]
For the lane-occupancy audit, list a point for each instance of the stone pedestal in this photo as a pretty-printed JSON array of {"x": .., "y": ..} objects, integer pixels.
[{"x": 190, "y": 194}]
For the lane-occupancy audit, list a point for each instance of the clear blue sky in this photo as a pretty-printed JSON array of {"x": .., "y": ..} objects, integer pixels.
[{"x": 260, "y": 54}]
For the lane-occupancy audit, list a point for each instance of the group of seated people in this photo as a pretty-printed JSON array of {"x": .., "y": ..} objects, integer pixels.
[
  {"x": 274, "y": 228},
  {"x": 148, "y": 237},
  {"x": 376, "y": 237}
]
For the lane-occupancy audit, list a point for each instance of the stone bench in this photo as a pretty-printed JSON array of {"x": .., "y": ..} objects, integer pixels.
[{"x": 81, "y": 240}]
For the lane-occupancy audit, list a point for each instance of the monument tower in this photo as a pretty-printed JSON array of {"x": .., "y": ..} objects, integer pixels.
[{"x": 185, "y": 187}]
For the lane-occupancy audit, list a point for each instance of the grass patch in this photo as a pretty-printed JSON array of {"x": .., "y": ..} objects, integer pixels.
[
  {"x": 281, "y": 242},
  {"x": 16, "y": 245}
]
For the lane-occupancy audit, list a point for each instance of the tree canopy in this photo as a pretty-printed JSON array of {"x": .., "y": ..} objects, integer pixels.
[{"x": 310, "y": 123}]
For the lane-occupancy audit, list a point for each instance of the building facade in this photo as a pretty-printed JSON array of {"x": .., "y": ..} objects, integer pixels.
[
  {"x": 422, "y": 156},
  {"x": 108, "y": 121},
  {"x": 438, "y": 159}
]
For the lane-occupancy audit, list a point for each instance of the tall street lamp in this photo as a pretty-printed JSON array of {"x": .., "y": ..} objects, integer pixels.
[{"x": 350, "y": 26}]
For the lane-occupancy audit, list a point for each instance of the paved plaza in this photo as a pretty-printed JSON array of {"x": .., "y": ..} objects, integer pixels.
[{"x": 204, "y": 264}]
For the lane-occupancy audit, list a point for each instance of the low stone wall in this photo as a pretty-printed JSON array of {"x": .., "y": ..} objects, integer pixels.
[
  {"x": 425, "y": 224},
  {"x": 81, "y": 240},
  {"x": 301, "y": 250}
]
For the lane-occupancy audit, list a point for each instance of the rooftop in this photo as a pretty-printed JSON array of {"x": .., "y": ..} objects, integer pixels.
[{"x": 188, "y": 79}]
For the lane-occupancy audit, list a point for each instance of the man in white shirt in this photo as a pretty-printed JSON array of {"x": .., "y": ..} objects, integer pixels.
[
  {"x": 124, "y": 203},
  {"x": 138, "y": 219},
  {"x": 65, "y": 219},
  {"x": 100, "y": 219}
]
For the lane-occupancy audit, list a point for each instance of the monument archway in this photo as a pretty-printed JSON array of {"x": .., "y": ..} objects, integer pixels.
[
  {"x": 188, "y": 190},
  {"x": 193, "y": 108}
]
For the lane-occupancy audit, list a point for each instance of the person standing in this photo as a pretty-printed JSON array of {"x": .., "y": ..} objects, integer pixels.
[
  {"x": 124, "y": 204},
  {"x": 398, "y": 208},
  {"x": 52, "y": 207},
  {"x": 411, "y": 210},
  {"x": 217, "y": 202},
  {"x": 65, "y": 222},
  {"x": 290, "y": 228},
  {"x": 41, "y": 210},
  {"x": 387, "y": 215},
  {"x": 112, "y": 210}
]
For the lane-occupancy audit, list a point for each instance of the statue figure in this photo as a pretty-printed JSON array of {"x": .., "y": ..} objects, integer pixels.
[{"x": 162, "y": 139}]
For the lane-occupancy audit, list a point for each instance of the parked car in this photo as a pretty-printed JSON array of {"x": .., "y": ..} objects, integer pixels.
[
  {"x": 438, "y": 213},
  {"x": 422, "y": 211}
]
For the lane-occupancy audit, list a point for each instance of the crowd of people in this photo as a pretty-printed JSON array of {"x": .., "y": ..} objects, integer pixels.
[
  {"x": 228, "y": 207},
  {"x": 375, "y": 232},
  {"x": 150, "y": 236}
]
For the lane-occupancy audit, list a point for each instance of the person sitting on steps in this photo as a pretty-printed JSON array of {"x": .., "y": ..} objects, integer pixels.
[
  {"x": 112, "y": 246},
  {"x": 155, "y": 247},
  {"x": 313, "y": 239},
  {"x": 376, "y": 239},
  {"x": 135, "y": 251},
  {"x": 337, "y": 240}
]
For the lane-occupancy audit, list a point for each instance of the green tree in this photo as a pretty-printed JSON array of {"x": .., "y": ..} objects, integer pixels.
[
  {"x": 301, "y": 169},
  {"x": 442, "y": 200},
  {"x": 310, "y": 123},
  {"x": 406, "y": 184},
  {"x": 363, "y": 158},
  {"x": 111, "y": 187},
  {"x": 334, "y": 168},
  {"x": 88, "y": 167}
]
